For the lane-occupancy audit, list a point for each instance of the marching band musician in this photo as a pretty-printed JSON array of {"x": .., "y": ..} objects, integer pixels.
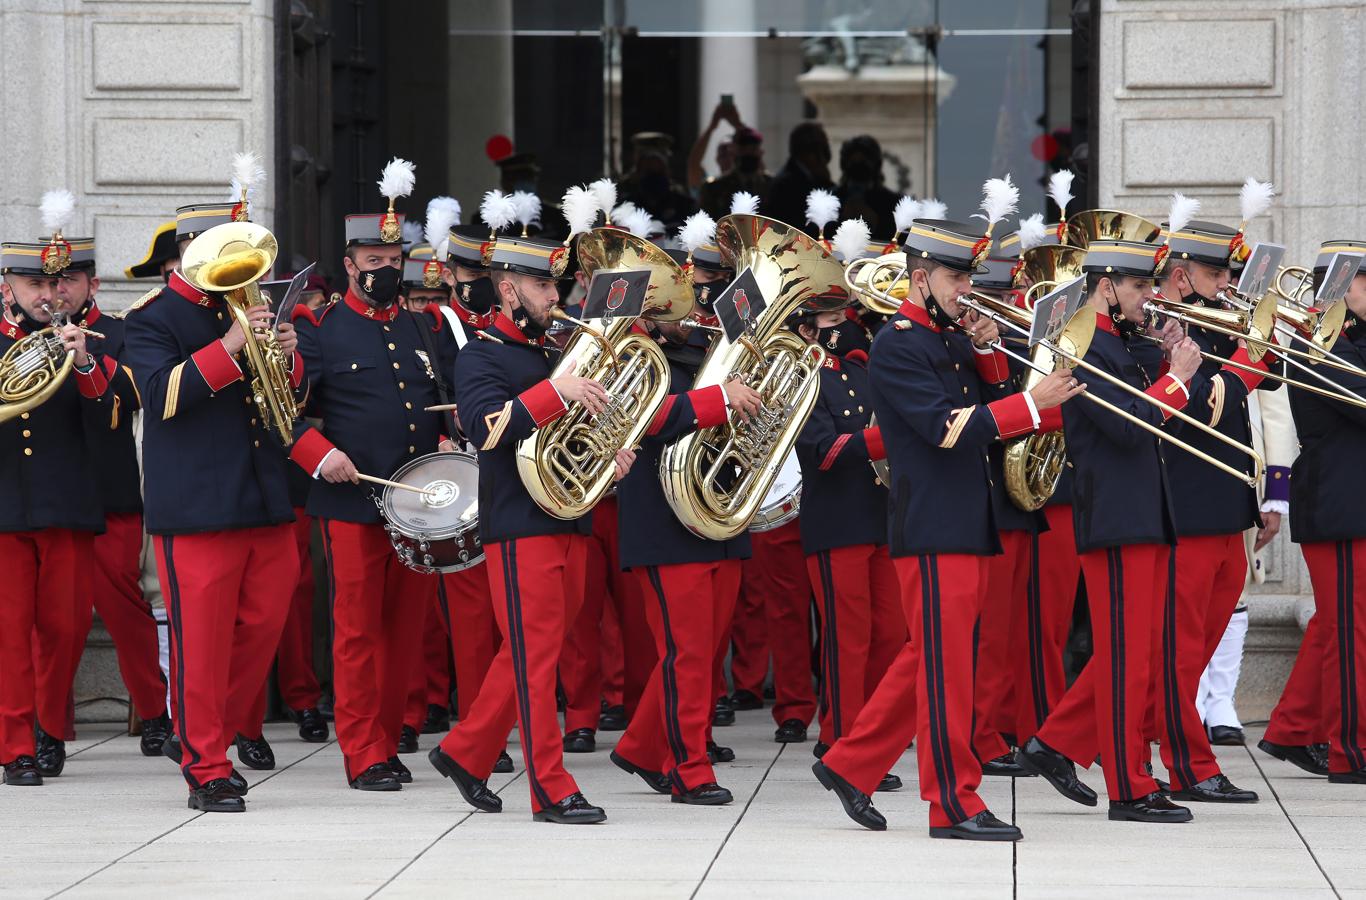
[
  {"x": 227, "y": 561},
  {"x": 534, "y": 560},
  {"x": 47, "y": 524},
  {"x": 1329, "y": 522},
  {"x": 931, "y": 379},
  {"x": 373, "y": 369}
]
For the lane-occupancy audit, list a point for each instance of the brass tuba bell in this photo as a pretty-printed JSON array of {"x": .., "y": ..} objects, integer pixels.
[{"x": 1108, "y": 224}]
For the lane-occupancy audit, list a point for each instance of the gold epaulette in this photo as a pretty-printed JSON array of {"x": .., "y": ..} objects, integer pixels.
[
  {"x": 903, "y": 325},
  {"x": 485, "y": 336},
  {"x": 138, "y": 303}
]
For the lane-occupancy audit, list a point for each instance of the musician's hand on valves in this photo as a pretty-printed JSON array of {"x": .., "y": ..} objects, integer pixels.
[
  {"x": 625, "y": 459},
  {"x": 338, "y": 468},
  {"x": 1171, "y": 333},
  {"x": 582, "y": 390},
  {"x": 742, "y": 398},
  {"x": 1185, "y": 359},
  {"x": 236, "y": 338},
  {"x": 287, "y": 338},
  {"x": 73, "y": 340},
  {"x": 1055, "y": 389}
]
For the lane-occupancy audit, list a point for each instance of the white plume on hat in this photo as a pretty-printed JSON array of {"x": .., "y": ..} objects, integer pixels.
[
  {"x": 528, "y": 207},
  {"x": 933, "y": 209},
  {"x": 442, "y": 214},
  {"x": 247, "y": 174},
  {"x": 497, "y": 210},
  {"x": 411, "y": 231},
  {"x": 699, "y": 229},
  {"x": 851, "y": 239},
  {"x": 1255, "y": 198},
  {"x": 743, "y": 203},
  {"x": 1032, "y": 232},
  {"x": 822, "y": 208},
  {"x": 1060, "y": 189},
  {"x": 907, "y": 211},
  {"x": 632, "y": 218},
  {"x": 655, "y": 228},
  {"x": 1000, "y": 198},
  {"x": 580, "y": 208},
  {"x": 57, "y": 209},
  {"x": 605, "y": 190},
  {"x": 397, "y": 179},
  {"x": 1182, "y": 211}
]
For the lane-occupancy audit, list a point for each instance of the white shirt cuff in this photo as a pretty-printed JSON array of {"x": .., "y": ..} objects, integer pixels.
[
  {"x": 322, "y": 462},
  {"x": 1276, "y": 506},
  {"x": 725, "y": 398},
  {"x": 983, "y": 351},
  {"x": 1033, "y": 410},
  {"x": 558, "y": 394},
  {"x": 1181, "y": 384}
]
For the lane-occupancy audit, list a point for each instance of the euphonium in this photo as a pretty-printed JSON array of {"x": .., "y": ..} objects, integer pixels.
[
  {"x": 715, "y": 479},
  {"x": 568, "y": 465},
  {"x": 33, "y": 368},
  {"x": 231, "y": 259}
]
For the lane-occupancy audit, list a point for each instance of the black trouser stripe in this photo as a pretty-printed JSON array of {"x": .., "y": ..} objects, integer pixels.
[
  {"x": 1038, "y": 677},
  {"x": 1117, "y": 671},
  {"x": 934, "y": 672},
  {"x": 1171, "y": 687},
  {"x": 673, "y": 729},
  {"x": 331, "y": 583},
  {"x": 1347, "y": 656},
  {"x": 976, "y": 636},
  {"x": 190, "y": 755},
  {"x": 517, "y": 643},
  {"x": 442, "y": 602},
  {"x": 832, "y": 648}
]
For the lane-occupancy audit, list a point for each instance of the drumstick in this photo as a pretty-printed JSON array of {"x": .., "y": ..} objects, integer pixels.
[
  {"x": 393, "y": 484},
  {"x": 441, "y": 407}
]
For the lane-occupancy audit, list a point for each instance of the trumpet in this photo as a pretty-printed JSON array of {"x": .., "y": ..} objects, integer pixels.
[{"x": 1072, "y": 345}]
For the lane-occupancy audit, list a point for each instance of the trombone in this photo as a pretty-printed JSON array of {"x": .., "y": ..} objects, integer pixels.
[{"x": 1293, "y": 295}]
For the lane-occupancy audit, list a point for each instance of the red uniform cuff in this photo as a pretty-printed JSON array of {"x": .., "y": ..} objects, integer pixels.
[
  {"x": 872, "y": 437},
  {"x": 1170, "y": 391},
  {"x": 310, "y": 448},
  {"x": 543, "y": 402},
  {"x": 94, "y": 383},
  {"x": 708, "y": 406},
  {"x": 992, "y": 367},
  {"x": 217, "y": 366},
  {"x": 1250, "y": 379},
  {"x": 1012, "y": 416},
  {"x": 1050, "y": 419}
]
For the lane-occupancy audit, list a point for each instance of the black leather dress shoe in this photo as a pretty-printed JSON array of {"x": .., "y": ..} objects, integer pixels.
[
  {"x": 792, "y": 731},
  {"x": 217, "y": 796},
  {"x": 655, "y": 781},
  {"x": 889, "y": 783},
  {"x": 238, "y": 783},
  {"x": 438, "y": 720},
  {"x": 744, "y": 700},
  {"x": 1152, "y": 808},
  {"x": 572, "y": 810},
  {"x": 50, "y": 754},
  {"x": 613, "y": 718},
  {"x": 981, "y": 827},
  {"x": 474, "y": 790},
  {"x": 819, "y": 748},
  {"x": 1004, "y": 766},
  {"x": 155, "y": 733},
  {"x": 1226, "y": 736},
  {"x": 580, "y": 740},
  {"x": 407, "y": 739},
  {"x": 401, "y": 772},
  {"x": 1302, "y": 756},
  {"x": 723, "y": 715},
  {"x": 719, "y": 754},
  {"x": 1215, "y": 789},
  {"x": 709, "y": 794},
  {"x": 504, "y": 766},
  {"x": 22, "y": 771},
  {"x": 255, "y": 753},
  {"x": 378, "y": 777},
  {"x": 312, "y": 726},
  {"x": 857, "y": 805},
  {"x": 171, "y": 749},
  {"x": 1356, "y": 777},
  {"x": 1038, "y": 758}
]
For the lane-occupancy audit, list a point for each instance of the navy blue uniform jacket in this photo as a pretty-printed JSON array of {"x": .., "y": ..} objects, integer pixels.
[{"x": 115, "y": 450}]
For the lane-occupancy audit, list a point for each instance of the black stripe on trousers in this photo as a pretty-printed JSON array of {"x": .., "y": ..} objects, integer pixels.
[
  {"x": 933, "y": 661},
  {"x": 1347, "y": 674},
  {"x": 831, "y": 651},
  {"x": 1118, "y": 671},
  {"x": 331, "y": 584},
  {"x": 1171, "y": 688},
  {"x": 442, "y": 603},
  {"x": 517, "y": 641},
  {"x": 191, "y": 755},
  {"x": 673, "y": 729},
  {"x": 1038, "y": 677}
]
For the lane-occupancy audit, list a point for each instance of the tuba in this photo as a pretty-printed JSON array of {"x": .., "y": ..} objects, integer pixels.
[
  {"x": 34, "y": 367},
  {"x": 716, "y": 479},
  {"x": 231, "y": 259},
  {"x": 568, "y": 465}
]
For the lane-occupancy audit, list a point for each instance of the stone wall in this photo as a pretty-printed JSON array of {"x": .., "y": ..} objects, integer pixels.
[{"x": 1196, "y": 95}]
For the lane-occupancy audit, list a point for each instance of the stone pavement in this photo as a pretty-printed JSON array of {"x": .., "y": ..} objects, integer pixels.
[{"x": 115, "y": 825}]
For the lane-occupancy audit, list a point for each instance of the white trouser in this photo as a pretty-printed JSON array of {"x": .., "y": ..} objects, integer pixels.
[{"x": 1214, "y": 700}]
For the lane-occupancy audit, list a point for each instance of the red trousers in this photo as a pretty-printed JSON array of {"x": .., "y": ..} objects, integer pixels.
[
  {"x": 379, "y": 608},
  {"x": 863, "y": 629},
  {"x": 582, "y": 659},
  {"x": 1210, "y": 573},
  {"x": 227, "y": 596},
  {"x": 998, "y": 644},
  {"x": 430, "y": 681},
  {"x": 43, "y": 603},
  {"x": 1340, "y": 602},
  {"x": 1042, "y": 623},
  {"x": 116, "y": 589},
  {"x": 927, "y": 691},
  {"x": 294, "y": 673},
  {"x": 473, "y": 629},
  {"x": 773, "y": 577},
  {"x": 748, "y": 642},
  {"x": 687, "y": 611},
  {"x": 613, "y": 661},
  {"x": 537, "y": 588},
  {"x": 1105, "y": 708},
  {"x": 1298, "y": 718}
]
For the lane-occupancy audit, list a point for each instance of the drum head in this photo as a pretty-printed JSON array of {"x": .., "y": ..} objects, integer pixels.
[
  {"x": 781, "y": 503},
  {"x": 450, "y": 504}
]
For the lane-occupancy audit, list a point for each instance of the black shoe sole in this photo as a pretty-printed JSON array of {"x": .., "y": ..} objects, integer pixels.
[
  {"x": 1029, "y": 766},
  {"x": 952, "y": 833},
  {"x": 707, "y": 801},
  {"x": 438, "y": 761},
  {"x": 823, "y": 776},
  {"x": 379, "y": 787},
  {"x": 1346, "y": 778},
  {"x": 580, "y": 748},
  {"x": 215, "y": 808},
  {"x": 1275, "y": 753},
  {"x": 789, "y": 739},
  {"x": 1146, "y": 819},
  {"x": 314, "y": 738},
  {"x": 35, "y": 782},
  {"x": 631, "y": 768},
  {"x": 1197, "y": 798},
  {"x": 552, "y": 818},
  {"x": 504, "y": 767},
  {"x": 146, "y": 751}
]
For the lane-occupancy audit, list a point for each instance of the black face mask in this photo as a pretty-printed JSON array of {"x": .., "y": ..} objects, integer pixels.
[
  {"x": 843, "y": 338},
  {"x": 477, "y": 296},
  {"x": 1127, "y": 330},
  {"x": 936, "y": 312},
  {"x": 380, "y": 287},
  {"x": 747, "y": 165},
  {"x": 522, "y": 319}
]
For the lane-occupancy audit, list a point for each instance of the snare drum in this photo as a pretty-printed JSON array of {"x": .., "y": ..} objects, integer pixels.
[
  {"x": 783, "y": 501},
  {"x": 437, "y": 531}
]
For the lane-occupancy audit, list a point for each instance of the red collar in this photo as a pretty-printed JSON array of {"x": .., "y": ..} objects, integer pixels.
[
  {"x": 361, "y": 308},
  {"x": 832, "y": 362},
  {"x": 474, "y": 320},
  {"x": 509, "y": 329},
  {"x": 10, "y": 330},
  {"x": 857, "y": 356},
  {"x": 92, "y": 315},
  {"x": 183, "y": 288},
  {"x": 918, "y": 314},
  {"x": 1106, "y": 324}
]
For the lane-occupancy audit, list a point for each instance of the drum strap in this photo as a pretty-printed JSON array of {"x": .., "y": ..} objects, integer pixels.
[{"x": 443, "y": 390}]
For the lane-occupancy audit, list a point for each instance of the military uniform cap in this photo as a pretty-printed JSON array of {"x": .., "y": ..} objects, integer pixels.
[
  {"x": 539, "y": 257},
  {"x": 422, "y": 270},
  {"x": 1329, "y": 248},
  {"x": 957, "y": 245},
  {"x": 1204, "y": 242}
]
